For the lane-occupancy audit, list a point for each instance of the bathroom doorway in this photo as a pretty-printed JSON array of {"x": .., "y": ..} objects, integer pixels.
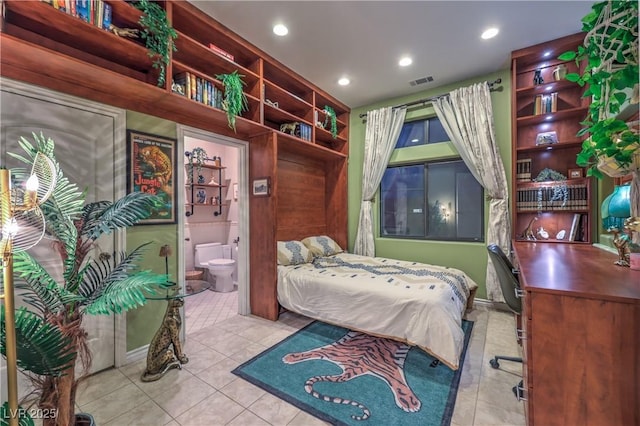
[{"x": 217, "y": 212}]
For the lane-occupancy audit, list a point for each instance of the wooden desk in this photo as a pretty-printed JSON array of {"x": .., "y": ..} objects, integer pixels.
[{"x": 581, "y": 316}]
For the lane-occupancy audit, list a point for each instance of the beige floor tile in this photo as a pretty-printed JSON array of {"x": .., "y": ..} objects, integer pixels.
[
  {"x": 99, "y": 385},
  {"x": 275, "y": 337},
  {"x": 242, "y": 392},
  {"x": 147, "y": 414},
  {"x": 202, "y": 360},
  {"x": 135, "y": 369},
  {"x": 306, "y": 419},
  {"x": 488, "y": 414},
  {"x": 465, "y": 409},
  {"x": 247, "y": 418},
  {"x": 116, "y": 403},
  {"x": 219, "y": 375},
  {"x": 256, "y": 333},
  {"x": 274, "y": 410},
  {"x": 169, "y": 381},
  {"x": 216, "y": 409},
  {"x": 183, "y": 395},
  {"x": 248, "y": 352},
  {"x": 232, "y": 345}
]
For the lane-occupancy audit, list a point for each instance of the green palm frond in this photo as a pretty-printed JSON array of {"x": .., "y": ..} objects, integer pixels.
[
  {"x": 101, "y": 273},
  {"x": 40, "y": 347},
  {"x": 44, "y": 289},
  {"x": 125, "y": 212},
  {"x": 24, "y": 419},
  {"x": 120, "y": 296}
]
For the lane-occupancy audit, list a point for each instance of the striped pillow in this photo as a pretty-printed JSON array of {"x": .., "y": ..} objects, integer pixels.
[
  {"x": 293, "y": 253},
  {"x": 322, "y": 246}
]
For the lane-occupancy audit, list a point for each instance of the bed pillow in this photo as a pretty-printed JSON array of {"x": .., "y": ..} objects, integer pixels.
[
  {"x": 322, "y": 246},
  {"x": 293, "y": 253}
]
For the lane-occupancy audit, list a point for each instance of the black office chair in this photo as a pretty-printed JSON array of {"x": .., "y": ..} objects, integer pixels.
[{"x": 510, "y": 286}]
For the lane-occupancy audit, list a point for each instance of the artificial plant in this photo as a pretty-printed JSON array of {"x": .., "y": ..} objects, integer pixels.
[
  {"x": 196, "y": 156},
  {"x": 158, "y": 35},
  {"x": 109, "y": 283},
  {"x": 235, "y": 101},
  {"x": 610, "y": 50},
  {"x": 330, "y": 114}
]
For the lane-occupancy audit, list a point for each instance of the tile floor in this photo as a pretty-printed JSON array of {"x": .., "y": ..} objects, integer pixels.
[{"x": 205, "y": 393}]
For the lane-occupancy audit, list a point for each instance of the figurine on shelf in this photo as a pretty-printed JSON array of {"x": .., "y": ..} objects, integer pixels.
[
  {"x": 202, "y": 196},
  {"x": 528, "y": 233},
  {"x": 200, "y": 179},
  {"x": 621, "y": 242},
  {"x": 537, "y": 77},
  {"x": 213, "y": 181}
]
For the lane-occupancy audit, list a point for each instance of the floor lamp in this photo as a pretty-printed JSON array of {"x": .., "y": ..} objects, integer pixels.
[{"x": 22, "y": 226}]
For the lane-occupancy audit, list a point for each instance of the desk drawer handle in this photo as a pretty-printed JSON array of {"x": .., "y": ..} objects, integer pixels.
[
  {"x": 519, "y": 293},
  {"x": 521, "y": 334}
]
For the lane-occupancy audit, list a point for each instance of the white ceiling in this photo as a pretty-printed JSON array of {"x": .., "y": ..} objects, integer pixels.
[{"x": 364, "y": 40}]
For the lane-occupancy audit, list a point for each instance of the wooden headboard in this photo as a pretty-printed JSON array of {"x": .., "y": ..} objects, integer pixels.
[{"x": 302, "y": 208}]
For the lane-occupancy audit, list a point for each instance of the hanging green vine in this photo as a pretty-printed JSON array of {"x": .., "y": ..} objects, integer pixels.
[
  {"x": 330, "y": 114},
  {"x": 235, "y": 101},
  {"x": 158, "y": 35},
  {"x": 611, "y": 74}
]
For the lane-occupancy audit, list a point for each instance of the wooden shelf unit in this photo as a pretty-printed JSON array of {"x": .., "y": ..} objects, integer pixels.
[
  {"x": 569, "y": 109},
  {"x": 50, "y": 48}
]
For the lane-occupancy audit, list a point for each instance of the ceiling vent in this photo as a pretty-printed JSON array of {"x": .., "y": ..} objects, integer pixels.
[{"x": 422, "y": 80}]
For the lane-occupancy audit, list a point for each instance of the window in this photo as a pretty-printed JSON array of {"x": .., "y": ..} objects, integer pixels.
[
  {"x": 421, "y": 132},
  {"x": 432, "y": 201}
]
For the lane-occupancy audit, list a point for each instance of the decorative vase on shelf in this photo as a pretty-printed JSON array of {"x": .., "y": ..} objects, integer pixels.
[{"x": 560, "y": 72}]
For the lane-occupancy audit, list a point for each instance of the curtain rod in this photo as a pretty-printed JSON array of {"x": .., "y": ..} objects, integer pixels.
[{"x": 433, "y": 98}]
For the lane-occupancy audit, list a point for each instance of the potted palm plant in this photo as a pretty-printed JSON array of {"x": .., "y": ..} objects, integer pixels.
[{"x": 91, "y": 284}]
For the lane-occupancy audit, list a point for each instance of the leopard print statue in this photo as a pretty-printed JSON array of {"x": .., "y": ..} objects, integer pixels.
[{"x": 165, "y": 350}]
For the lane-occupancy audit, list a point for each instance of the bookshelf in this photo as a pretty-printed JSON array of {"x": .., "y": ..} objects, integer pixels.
[
  {"x": 47, "y": 47},
  {"x": 546, "y": 115}
]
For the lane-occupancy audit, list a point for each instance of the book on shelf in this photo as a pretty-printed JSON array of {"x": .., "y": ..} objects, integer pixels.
[
  {"x": 544, "y": 104},
  {"x": 221, "y": 52},
  {"x": 523, "y": 170},
  {"x": 574, "y": 227}
]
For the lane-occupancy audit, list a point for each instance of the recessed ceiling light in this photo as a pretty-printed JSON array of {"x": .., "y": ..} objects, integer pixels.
[
  {"x": 547, "y": 54},
  {"x": 405, "y": 61},
  {"x": 414, "y": 140},
  {"x": 280, "y": 30},
  {"x": 344, "y": 81},
  {"x": 490, "y": 33}
]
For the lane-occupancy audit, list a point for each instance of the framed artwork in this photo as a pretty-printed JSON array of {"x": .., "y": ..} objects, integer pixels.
[
  {"x": 151, "y": 168},
  {"x": 574, "y": 173},
  {"x": 261, "y": 187}
]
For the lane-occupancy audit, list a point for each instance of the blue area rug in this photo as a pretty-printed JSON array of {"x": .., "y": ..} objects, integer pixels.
[{"x": 350, "y": 378}]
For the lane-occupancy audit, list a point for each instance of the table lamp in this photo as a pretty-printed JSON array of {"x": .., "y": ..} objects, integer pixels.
[
  {"x": 165, "y": 251},
  {"x": 615, "y": 209}
]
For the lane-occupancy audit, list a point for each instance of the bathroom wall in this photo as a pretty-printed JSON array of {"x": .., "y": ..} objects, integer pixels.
[{"x": 202, "y": 226}]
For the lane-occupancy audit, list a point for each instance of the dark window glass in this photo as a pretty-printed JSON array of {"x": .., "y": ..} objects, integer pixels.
[
  {"x": 421, "y": 132},
  {"x": 433, "y": 201}
]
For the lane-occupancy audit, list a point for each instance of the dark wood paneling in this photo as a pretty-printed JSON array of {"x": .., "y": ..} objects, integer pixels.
[{"x": 262, "y": 246}]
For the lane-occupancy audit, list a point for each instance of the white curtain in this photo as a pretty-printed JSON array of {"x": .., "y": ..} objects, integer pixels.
[
  {"x": 382, "y": 131},
  {"x": 467, "y": 118}
]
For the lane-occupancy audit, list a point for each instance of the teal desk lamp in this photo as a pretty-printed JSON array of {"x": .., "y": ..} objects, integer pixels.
[{"x": 616, "y": 207}]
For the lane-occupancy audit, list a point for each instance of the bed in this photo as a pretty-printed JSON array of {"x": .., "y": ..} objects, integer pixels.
[{"x": 413, "y": 302}]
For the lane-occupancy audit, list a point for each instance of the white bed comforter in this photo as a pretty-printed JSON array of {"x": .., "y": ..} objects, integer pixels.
[{"x": 414, "y": 302}]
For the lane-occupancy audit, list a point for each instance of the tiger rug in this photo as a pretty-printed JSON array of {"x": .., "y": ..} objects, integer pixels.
[
  {"x": 359, "y": 354},
  {"x": 348, "y": 378}
]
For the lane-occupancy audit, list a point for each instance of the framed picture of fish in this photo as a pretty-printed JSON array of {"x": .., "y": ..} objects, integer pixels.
[{"x": 151, "y": 168}]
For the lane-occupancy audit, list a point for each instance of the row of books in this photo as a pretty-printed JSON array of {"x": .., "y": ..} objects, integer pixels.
[
  {"x": 95, "y": 12},
  {"x": 198, "y": 89},
  {"x": 544, "y": 104},
  {"x": 301, "y": 130},
  {"x": 542, "y": 199},
  {"x": 523, "y": 170}
]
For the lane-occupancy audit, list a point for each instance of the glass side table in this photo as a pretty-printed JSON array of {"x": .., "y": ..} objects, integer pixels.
[{"x": 165, "y": 349}]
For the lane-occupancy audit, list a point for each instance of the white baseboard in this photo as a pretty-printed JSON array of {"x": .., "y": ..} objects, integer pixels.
[{"x": 137, "y": 354}]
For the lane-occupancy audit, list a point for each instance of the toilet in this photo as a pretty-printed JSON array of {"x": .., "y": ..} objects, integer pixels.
[{"x": 216, "y": 258}]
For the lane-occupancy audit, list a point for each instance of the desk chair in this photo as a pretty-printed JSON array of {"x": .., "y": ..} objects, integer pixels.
[{"x": 510, "y": 286}]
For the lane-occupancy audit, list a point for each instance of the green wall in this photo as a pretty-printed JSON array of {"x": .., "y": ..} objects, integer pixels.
[
  {"x": 143, "y": 322},
  {"x": 469, "y": 257}
]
